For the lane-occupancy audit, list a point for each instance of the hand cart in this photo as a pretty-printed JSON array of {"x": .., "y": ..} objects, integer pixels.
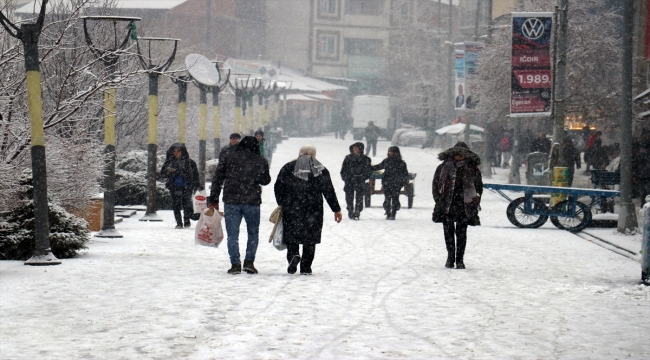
[
  {"x": 408, "y": 189},
  {"x": 570, "y": 214}
]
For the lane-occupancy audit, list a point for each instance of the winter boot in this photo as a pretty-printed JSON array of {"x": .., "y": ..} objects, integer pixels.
[
  {"x": 179, "y": 226},
  {"x": 450, "y": 243},
  {"x": 235, "y": 269},
  {"x": 293, "y": 264},
  {"x": 178, "y": 217},
  {"x": 249, "y": 268},
  {"x": 451, "y": 258},
  {"x": 187, "y": 223},
  {"x": 460, "y": 252}
]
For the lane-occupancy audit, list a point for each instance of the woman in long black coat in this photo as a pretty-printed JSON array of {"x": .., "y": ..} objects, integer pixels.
[
  {"x": 395, "y": 176},
  {"x": 299, "y": 190},
  {"x": 457, "y": 189}
]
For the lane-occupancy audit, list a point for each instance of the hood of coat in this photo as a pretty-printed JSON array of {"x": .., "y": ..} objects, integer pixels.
[
  {"x": 396, "y": 152},
  {"x": 250, "y": 144},
  {"x": 184, "y": 153},
  {"x": 359, "y": 145},
  {"x": 460, "y": 149}
]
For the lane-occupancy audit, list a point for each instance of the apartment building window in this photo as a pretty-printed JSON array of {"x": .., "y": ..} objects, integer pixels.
[
  {"x": 327, "y": 45},
  {"x": 329, "y": 9},
  {"x": 364, "y": 7},
  {"x": 368, "y": 47},
  {"x": 400, "y": 11}
]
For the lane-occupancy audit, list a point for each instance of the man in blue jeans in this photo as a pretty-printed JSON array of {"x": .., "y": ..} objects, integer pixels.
[{"x": 241, "y": 173}]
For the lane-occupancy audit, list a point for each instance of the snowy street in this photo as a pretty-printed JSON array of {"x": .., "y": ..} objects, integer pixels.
[{"x": 379, "y": 289}]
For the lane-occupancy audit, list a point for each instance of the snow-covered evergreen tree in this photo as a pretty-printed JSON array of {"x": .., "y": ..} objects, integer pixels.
[{"x": 68, "y": 234}]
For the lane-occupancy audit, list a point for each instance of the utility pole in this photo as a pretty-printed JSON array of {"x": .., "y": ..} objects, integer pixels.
[
  {"x": 627, "y": 216},
  {"x": 560, "y": 74},
  {"x": 487, "y": 134},
  {"x": 450, "y": 75},
  {"x": 208, "y": 22}
]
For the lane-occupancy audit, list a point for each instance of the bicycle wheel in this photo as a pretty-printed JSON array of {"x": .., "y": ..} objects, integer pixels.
[
  {"x": 577, "y": 222},
  {"x": 519, "y": 218}
]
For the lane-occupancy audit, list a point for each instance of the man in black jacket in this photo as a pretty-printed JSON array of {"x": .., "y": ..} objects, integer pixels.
[
  {"x": 234, "y": 141},
  {"x": 355, "y": 171},
  {"x": 241, "y": 173}
]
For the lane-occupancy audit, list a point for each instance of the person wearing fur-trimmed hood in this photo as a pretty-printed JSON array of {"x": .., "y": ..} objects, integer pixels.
[{"x": 457, "y": 188}]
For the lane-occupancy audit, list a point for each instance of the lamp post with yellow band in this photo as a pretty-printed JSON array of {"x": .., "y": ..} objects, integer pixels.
[
  {"x": 205, "y": 76},
  {"x": 239, "y": 88},
  {"x": 181, "y": 82},
  {"x": 153, "y": 71},
  {"x": 216, "y": 118},
  {"x": 29, "y": 34},
  {"x": 110, "y": 58}
]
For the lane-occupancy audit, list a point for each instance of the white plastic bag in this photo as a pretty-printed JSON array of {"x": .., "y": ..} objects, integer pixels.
[
  {"x": 199, "y": 203},
  {"x": 278, "y": 243},
  {"x": 208, "y": 230}
]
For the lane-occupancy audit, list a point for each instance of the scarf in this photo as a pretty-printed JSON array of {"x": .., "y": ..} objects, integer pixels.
[
  {"x": 306, "y": 165},
  {"x": 448, "y": 180}
]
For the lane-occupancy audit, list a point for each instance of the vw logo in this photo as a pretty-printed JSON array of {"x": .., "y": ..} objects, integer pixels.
[{"x": 533, "y": 28}]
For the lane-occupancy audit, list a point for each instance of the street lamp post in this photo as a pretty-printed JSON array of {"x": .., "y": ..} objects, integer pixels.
[
  {"x": 216, "y": 118},
  {"x": 181, "y": 82},
  {"x": 205, "y": 76},
  {"x": 29, "y": 34},
  {"x": 110, "y": 57},
  {"x": 153, "y": 72}
]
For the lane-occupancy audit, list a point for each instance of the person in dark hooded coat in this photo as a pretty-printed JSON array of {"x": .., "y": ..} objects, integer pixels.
[
  {"x": 395, "y": 176},
  {"x": 354, "y": 172},
  {"x": 457, "y": 189},
  {"x": 299, "y": 190},
  {"x": 241, "y": 173},
  {"x": 182, "y": 177}
]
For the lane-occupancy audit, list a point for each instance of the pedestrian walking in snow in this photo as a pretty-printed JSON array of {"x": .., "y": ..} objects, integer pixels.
[
  {"x": 570, "y": 158},
  {"x": 506, "y": 150},
  {"x": 372, "y": 135},
  {"x": 395, "y": 176},
  {"x": 354, "y": 172},
  {"x": 182, "y": 181},
  {"x": 234, "y": 141},
  {"x": 265, "y": 152},
  {"x": 457, "y": 188},
  {"x": 241, "y": 173},
  {"x": 299, "y": 190}
]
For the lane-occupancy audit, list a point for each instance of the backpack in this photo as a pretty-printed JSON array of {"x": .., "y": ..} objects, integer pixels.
[{"x": 505, "y": 144}]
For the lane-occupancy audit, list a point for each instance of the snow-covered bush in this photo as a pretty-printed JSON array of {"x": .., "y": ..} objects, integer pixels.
[
  {"x": 131, "y": 181},
  {"x": 68, "y": 234}
]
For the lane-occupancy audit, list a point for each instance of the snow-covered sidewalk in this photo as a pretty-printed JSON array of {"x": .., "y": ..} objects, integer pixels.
[{"x": 379, "y": 290}]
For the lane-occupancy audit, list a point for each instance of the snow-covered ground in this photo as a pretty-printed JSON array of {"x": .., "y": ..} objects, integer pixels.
[{"x": 379, "y": 290}]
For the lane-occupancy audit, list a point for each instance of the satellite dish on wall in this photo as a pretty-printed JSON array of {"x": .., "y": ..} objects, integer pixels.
[{"x": 202, "y": 70}]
